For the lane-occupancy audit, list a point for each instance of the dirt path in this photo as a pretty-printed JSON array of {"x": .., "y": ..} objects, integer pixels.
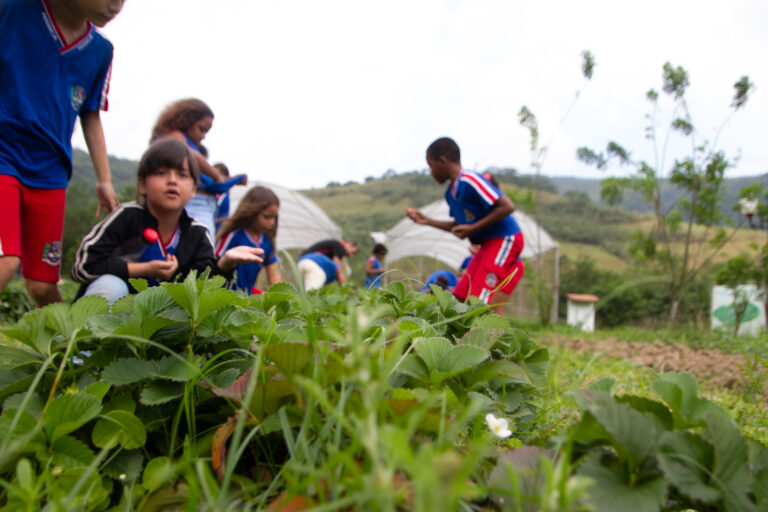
[{"x": 712, "y": 367}]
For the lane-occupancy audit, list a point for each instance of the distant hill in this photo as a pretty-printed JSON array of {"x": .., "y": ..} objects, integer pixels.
[{"x": 633, "y": 202}]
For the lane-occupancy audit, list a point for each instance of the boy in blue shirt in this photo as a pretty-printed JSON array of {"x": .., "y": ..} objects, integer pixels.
[
  {"x": 54, "y": 67},
  {"x": 482, "y": 213}
]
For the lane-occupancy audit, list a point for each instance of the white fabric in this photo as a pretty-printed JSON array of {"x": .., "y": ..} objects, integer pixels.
[
  {"x": 301, "y": 221},
  {"x": 312, "y": 275},
  {"x": 407, "y": 239}
]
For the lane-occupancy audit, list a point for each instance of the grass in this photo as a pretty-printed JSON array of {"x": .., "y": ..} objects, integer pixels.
[
  {"x": 602, "y": 258},
  {"x": 571, "y": 370}
]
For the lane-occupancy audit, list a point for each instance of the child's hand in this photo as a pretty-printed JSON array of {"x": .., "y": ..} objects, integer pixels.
[
  {"x": 243, "y": 179},
  {"x": 415, "y": 215},
  {"x": 240, "y": 254},
  {"x": 462, "y": 230},
  {"x": 164, "y": 269},
  {"x": 107, "y": 199}
]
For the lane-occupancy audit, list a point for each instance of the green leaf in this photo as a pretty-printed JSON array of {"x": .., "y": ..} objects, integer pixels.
[
  {"x": 432, "y": 351},
  {"x": 66, "y": 413},
  {"x": 159, "y": 472},
  {"x": 635, "y": 436},
  {"x": 127, "y": 371},
  {"x": 613, "y": 492},
  {"x": 214, "y": 300},
  {"x": 686, "y": 460},
  {"x": 31, "y": 331},
  {"x": 277, "y": 293},
  {"x": 87, "y": 308},
  {"x": 731, "y": 471},
  {"x": 414, "y": 367},
  {"x": 483, "y": 338},
  {"x": 119, "y": 427},
  {"x": 125, "y": 465},
  {"x": 498, "y": 369},
  {"x": 159, "y": 392},
  {"x": 680, "y": 392},
  {"x": 59, "y": 319},
  {"x": 17, "y": 358},
  {"x": 141, "y": 285},
  {"x": 175, "y": 368},
  {"x": 98, "y": 389},
  {"x": 461, "y": 358},
  {"x": 290, "y": 357},
  {"x": 69, "y": 452},
  {"x": 646, "y": 405},
  {"x": 152, "y": 301}
]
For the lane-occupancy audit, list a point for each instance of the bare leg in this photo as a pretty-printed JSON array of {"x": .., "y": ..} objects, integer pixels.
[
  {"x": 8, "y": 267},
  {"x": 498, "y": 302},
  {"x": 43, "y": 293}
]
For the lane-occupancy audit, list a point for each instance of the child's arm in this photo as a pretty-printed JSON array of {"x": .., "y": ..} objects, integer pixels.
[
  {"x": 340, "y": 276},
  {"x": 501, "y": 208},
  {"x": 93, "y": 133},
  {"x": 370, "y": 270},
  {"x": 159, "y": 269},
  {"x": 419, "y": 218},
  {"x": 273, "y": 274}
]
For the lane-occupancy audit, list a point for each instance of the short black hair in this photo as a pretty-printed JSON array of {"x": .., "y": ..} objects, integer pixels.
[
  {"x": 169, "y": 153},
  {"x": 444, "y": 146},
  {"x": 380, "y": 249}
]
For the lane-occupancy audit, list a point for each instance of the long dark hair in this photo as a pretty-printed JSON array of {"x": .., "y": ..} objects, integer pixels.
[
  {"x": 180, "y": 115},
  {"x": 253, "y": 203}
]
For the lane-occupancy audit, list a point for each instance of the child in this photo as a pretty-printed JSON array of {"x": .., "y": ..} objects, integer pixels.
[
  {"x": 54, "y": 67},
  {"x": 189, "y": 121},
  {"x": 484, "y": 215},
  {"x": 167, "y": 177},
  {"x": 254, "y": 224},
  {"x": 321, "y": 263},
  {"x": 374, "y": 268},
  {"x": 222, "y": 199}
]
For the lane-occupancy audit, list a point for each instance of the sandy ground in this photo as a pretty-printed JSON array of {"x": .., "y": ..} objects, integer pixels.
[{"x": 710, "y": 367}]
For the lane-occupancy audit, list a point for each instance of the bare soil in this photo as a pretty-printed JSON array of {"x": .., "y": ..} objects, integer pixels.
[{"x": 711, "y": 367}]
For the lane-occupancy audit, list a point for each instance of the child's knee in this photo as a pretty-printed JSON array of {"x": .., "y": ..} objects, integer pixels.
[
  {"x": 108, "y": 286},
  {"x": 9, "y": 264},
  {"x": 42, "y": 293}
]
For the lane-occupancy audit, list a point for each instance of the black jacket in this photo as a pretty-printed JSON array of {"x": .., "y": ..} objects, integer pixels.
[{"x": 99, "y": 252}]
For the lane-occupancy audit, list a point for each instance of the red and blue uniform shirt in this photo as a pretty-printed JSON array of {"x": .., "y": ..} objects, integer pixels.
[
  {"x": 45, "y": 84},
  {"x": 246, "y": 273}
]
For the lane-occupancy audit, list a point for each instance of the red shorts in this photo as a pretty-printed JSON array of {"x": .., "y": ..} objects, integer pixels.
[
  {"x": 31, "y": 227},
  {"x": 495, "y": 267}
]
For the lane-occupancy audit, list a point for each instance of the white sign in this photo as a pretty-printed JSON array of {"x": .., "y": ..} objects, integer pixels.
[{"x": 723, "y": 314}]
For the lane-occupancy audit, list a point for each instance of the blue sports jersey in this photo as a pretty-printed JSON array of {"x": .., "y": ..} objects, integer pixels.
[
  {"x": 465, "y": 262},
  {"x": 327, "y": 264},
  {"x": 470, "y": 197},
  {"x": 373, "y": 280},
  {"x": 44, "y": 85},
  {"x": 247, "y": 273},
  {"x": 159, "y": 251}
]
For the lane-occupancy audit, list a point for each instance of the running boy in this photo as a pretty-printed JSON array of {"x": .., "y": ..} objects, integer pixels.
[
  {"x": 54, "y": 67},
  {"x": 482, "y": 213},
  {"x": 167, "y": 177}
]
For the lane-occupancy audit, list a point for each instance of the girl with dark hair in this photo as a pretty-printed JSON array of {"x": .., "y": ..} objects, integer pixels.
[
  {"x": 189, "y": 121},
  {"x": 254, "y": 224}
]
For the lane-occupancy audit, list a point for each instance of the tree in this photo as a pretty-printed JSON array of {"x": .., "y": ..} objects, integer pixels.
[{"x": 699, "y": 176}]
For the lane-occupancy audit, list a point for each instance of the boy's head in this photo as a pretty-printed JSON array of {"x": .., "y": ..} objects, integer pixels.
[
  {"x": 222, "y": 168},
  {"x": 163, "y": 155},
  {"x": 350, "y": 246},
  {"x": 444, "y": 159},
  {"x": 380, "y": 250},
  {"x": 98, "y": 12}
]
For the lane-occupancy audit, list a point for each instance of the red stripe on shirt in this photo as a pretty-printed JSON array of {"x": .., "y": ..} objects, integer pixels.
[{"x": 482, "y": 188}]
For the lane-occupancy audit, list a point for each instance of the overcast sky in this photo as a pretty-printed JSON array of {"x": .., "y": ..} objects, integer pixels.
[{"x": 307, "y": 92}]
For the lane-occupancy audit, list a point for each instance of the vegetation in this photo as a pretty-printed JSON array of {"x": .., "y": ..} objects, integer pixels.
[{"x": 700, "y": 175}]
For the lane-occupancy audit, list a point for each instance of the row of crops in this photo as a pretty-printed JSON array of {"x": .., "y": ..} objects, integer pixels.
[{"x": 188, "y": 396}]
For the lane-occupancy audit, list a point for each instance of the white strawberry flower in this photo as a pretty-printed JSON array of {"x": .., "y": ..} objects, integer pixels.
[{"x": 499, "y": 426}]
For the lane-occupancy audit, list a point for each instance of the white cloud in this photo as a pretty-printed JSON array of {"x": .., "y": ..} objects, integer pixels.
[{"x": 309, "y": 92}]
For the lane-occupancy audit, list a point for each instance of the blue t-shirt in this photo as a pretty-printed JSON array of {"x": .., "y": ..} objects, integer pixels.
[
  {"x": 159, "y": 251},
  {"x": 44, "y": 85},
  {"x": 470, "y": 198},
  {"x": 247, "y": 272},
  {"x": 373, "y": 280},
  {"x": 327, "y": 264}
]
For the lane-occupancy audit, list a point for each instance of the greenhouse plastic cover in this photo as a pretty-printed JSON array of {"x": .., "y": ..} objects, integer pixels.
[
  {"x": 302, "y": 222},
  {"x": 407, "y": 239}
]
